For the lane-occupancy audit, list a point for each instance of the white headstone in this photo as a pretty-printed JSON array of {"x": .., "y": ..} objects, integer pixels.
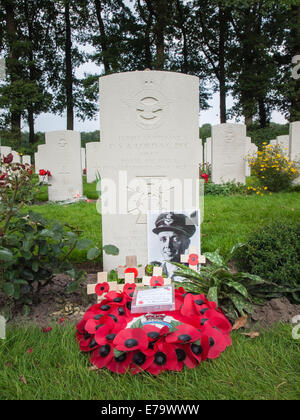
[
  {"x": 64, "y": 163},
  {"x": 41, "y": 158},
  {"x": 149, "y": 136},
  {"x": 284, "y": 143},
  {"x": 228, "y": 153},
  {"x": 251, "y": 149},
  {"x": 273, "y": 142},
  {"x": 208, "y": 146},
  {"x": 17, "y": 158},
  {"x": 26, "y": 159},
  {"x": 83, "y": 159},
  {"x": 2, "y": 328},
  {"x": 295, "y": 141},
  {"x": 92, "y": 161},
  {"x": 4, "y": 151}
]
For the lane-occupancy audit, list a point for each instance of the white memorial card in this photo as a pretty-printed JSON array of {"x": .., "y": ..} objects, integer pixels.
[{"x": 155, "y": 299}]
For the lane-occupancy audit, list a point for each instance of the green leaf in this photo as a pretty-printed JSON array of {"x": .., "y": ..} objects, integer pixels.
[
  {"x": 35, "y": 266},
  {"x": 238, "y": 287},
  {"x": 254, "y": 279},
  {"x": 215, "y": 258},
  {"x": 111, "y": 250},
  {"x": 239, "y": 302},
  {"x": 9, "y": 289},
  {"x": 72, "y": 287},
  {"x": 6, "y": 255},
  {"x": 174, "y": 325},
  {"x": 137, "y": 324},
  {"x": 84, "y": 244},
  {"x": 93, "y": 253},
  {"x": 118, "y": 353},
  {"x": 212, "y": 295}
]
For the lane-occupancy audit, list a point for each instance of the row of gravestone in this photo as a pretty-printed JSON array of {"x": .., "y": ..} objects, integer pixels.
[
  {"x": 149, "y": 151},
  {"x": 17, "y": 158}
]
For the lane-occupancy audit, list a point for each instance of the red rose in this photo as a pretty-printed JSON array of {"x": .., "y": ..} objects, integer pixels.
[
  {"x": 42, "y": 172},
  {"x": 8, "y": 159},
  {"x": 205, "y": 177},
  {"x": 2, "y": 177}
]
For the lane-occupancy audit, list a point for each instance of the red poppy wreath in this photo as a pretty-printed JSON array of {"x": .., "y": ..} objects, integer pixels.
[{"x": 121, "y": 341}]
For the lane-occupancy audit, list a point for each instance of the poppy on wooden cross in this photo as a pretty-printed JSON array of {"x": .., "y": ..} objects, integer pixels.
[
  {"x": 156, "y": 279},
  {"x": 193, "y": 259},
  {"x": 131, "y": 267},
  {"x": 103, "y": 286}
]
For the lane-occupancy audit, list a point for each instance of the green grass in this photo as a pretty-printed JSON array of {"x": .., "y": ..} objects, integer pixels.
[
  {"x": 89, "y": 190},
  {"x": 266, "y": 368}
]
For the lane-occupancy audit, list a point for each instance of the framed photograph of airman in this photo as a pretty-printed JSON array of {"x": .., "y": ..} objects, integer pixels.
[{"x": 171, "y": 235}]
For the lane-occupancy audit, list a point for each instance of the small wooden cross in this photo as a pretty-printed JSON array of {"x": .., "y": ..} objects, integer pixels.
[
  {"x": 193, "y": 258},
  {"x": 157, "y": 272},
  {"x": 131, "y": 264}
]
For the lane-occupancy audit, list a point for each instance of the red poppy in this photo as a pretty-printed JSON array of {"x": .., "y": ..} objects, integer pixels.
[
  {"x": 165, "y": 358},
  {"x": 8, "y": 159},
  {"x": 141, "y": 360},
  {"x": 102, "y": 356},
  {"x": 129, "y": 289},
  {"x": 184, "y": 334},
  {"x": 154, "y": 333},
  {"x": 184, "y": 357},
  {"x": 48, "y": 173},
  {"x": 157, "y": 281},
  {"x": 120, "y": 364},
  {"x": 61, "y": 320},
  {"x": 29, "y": 351},
  {"x": 132, "y": 270},
  {"x": 193, "y": 304},
  {"x": 193, "y": 260},
  {"x": 42, "y": 172},
  {"x": 199, "y": 350},
  {"x": 101, "y": 288},
  {"x": 131, "y": 339},
  {"x": 217, "y": 341}
]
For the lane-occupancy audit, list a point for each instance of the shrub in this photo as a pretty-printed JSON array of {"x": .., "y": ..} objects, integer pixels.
[
  {"x": 273, "y": 252},
  {"x": 32, "y": 249},
  {"x": 226, "y": 189},
  {"x": 273, "y": 169}
]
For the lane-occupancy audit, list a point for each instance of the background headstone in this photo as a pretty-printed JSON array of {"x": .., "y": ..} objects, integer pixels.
[
  {"x": 17, "y": 158},
  {"x": 150, "y": 132},
  {"x": 83, "y": 159},
  {"x": 64, "y": 163},
  {"x": 4, "y": 150},
  {"x": 40, "y": 158},
  {"x": 2, "y": 68},
  {"x": 26, "y": 159},
  {"x": 228, "y": 153},
  {"x": 207, "y": 155},
  {"x": 295, "y": 141},
  {"x": 284, "y": 143},
  {"x": 92, "y": 161},
  {"x": 251, "y": 149}
]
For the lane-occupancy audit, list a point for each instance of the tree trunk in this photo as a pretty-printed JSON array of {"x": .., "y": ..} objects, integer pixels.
[
  {"x": 295, "y": 102},
  {"x": 12, "y": 66},
  {"x": 222, "y": 77},
  {"x": 103, "y": 38},
  {"x": 263, "y": 118},
  {"x": 69, "y": 68}
]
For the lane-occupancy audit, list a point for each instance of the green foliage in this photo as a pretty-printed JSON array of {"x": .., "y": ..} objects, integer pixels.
[
  {"x": 273, "y": 168},
  {"x": 273, "y": 252},
  {"x": 231, "y": 291},
  {"x": 272, "y": 131},
  {"x": 32, "y": 249},
  {"x": 226, "y": 189}
]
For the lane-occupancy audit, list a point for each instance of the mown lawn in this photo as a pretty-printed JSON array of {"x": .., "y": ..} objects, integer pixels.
[{"x": 266, "y": 368}]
